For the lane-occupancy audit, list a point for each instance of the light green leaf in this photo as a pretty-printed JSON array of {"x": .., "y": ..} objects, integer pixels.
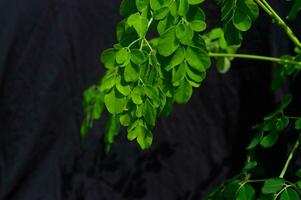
[
  {"x": 183, "y": 7},
  {"x": 184, "y": 33},
  {"x": 194, "y": 75},
  {"x": 183, "y": 93},
  {"x": 142, "y": 134},
  {"x": 139, "y": 22},
  {"x": 149, "y": 113},
  {"x": 108, "y": 81},
  {"x": 242, "y": 21},
  {"x": 168, "y": 42},
  {"x": 122, "y": 56},
  {"x": 161, "y": 13},
  {"x": 178, "y": 74},
  {"x": 197, "y": 59},
  {"x": 108, "y": 58},
  {"x": 153, "y": 93},
  {"x": 165, "y": 24},
  {"x": 136, "y": 95},
  {"x": 157, "y": 4},
  {"x": 125, "y": 119},
  {"x": 138, "y": 56},
  {"x": 176, "y": 59},
  {"x": 195, "y": 2},
  {"x": 142, "y": 4},
  {"x": 198, "y": 25},
  {"x": 123, "y": 87},
  {"x": 131, "y": 72},
  {"x": 145, "y": 139},
  {"x": 115, "y": 102},
  {"x": 223, "y": 64}
]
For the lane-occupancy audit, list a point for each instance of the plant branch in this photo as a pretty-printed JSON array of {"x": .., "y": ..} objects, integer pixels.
[
  {"x": 270, "y": 11},
  {"x": 255, "y": 57},
  {"x": 289, "y": 158}
]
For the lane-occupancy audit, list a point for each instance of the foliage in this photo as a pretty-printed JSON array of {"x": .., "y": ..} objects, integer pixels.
[{"x": 163, "y": 52}]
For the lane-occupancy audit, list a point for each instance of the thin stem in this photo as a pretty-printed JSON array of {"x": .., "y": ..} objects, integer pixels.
[
  {"x": 278, "y": 193},
  {"x": 134, "y": 42},
  {"x": 255, "y": 57},
  {"x": 289, "y": 158},
  {"x": 149, "y": 46},
  {"x": 264, "y": 7},
  {"x": 270, "y": 11}
]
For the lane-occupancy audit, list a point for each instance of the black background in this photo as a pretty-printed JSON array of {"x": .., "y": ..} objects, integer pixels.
[{"x": 49, "y": 53}]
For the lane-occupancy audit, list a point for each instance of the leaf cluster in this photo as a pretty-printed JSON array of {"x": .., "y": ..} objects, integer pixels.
[{"x": 158, "y": 60}]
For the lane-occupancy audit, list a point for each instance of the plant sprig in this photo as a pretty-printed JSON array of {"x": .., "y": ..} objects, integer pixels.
[{"x": 163, "y": 51}]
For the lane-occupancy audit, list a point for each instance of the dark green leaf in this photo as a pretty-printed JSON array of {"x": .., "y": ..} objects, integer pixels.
[
  {"x": 127, "y": 7},
  {"x": 149, "y": 113},
  {"x": 298, "y": 124},
  {"x": 270, "y": 139},
  {"x": 246, "y": 192},
  {"x": 298, "y": 173},
  {"x": 256, "y": 140},
  {"x": 272, "y": 185},
  {"x": 112, "y": 130},
  {"x": 295, "y": 9},
  {"x": 289, "y": 194}
]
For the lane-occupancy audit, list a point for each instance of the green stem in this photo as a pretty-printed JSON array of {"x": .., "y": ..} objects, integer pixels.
[
  {"x": 290, "y": 156},
  {"x": 270, "y": 11},
  {"x": 254, "y": 57},
  {"x": 264, "y": 7}
]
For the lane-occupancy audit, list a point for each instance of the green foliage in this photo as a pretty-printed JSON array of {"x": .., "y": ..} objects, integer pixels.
[
  {"x": 237, "y": 16},
  {"x": 216, "y": 43},
  {"x": 146, "y": 75},
  {"x": 162, "y": 53},
  {"x": 285, "y": 69}
]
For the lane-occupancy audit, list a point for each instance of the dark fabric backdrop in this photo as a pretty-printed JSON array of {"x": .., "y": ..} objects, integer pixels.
[{"x": 49, "y": 53}]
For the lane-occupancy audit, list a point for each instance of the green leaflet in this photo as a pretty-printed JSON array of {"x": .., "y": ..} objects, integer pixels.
[
  {"x": 139, "y": 132},
  {"x": 183, "y": 93},
  {"x": 246, "y": 192},
  {"x": 112, "y": 130},
  {"x": 168, "y": 42},
  {"x": 139, "y": 22},
  {"x": 115, "y": 101},
  {"x": 108, "y": 58},
  {"x": 289, "y": 194},
  {"x": 237, "y": 16},
  {"x": 294, "y": 10},
  {"x": 272, "y": 185}
]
